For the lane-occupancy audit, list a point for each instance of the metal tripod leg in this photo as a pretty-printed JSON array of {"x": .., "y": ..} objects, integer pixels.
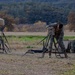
[
  {"x": 3, "y": 47},
  {"x": 45, "y": 45},
  {"x": 6, "y": 45},
  {"x": 56, "y": 50},
  {"x": 44, "y": 49}
]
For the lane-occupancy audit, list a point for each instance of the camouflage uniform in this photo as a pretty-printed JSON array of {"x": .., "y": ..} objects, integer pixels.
[{"x": 58, "y": 34}]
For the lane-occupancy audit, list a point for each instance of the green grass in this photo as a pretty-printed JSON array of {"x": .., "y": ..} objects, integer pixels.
[
  {"x": 34, "y": 38},
  {"x": 69, "y": 37},
  {"x": 25, "y": 38}
]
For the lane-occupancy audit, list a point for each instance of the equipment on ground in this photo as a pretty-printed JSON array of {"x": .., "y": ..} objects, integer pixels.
[{"x": 71, "y": 47}]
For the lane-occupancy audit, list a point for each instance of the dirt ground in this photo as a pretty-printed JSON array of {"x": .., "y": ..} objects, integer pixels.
[{"x": 16, "y": 63}]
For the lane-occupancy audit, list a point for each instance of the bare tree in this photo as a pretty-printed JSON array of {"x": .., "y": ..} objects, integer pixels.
[{"x": 9, "y": 20}]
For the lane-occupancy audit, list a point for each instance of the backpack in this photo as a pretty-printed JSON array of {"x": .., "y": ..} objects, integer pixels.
[{"x": 71, "y": 47}]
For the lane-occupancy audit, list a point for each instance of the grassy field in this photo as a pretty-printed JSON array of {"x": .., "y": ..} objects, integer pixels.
[
  {"x": 15, "y": 63},
  {"x": 33, "y": 38},
  {"x": 21, "y": 42}
]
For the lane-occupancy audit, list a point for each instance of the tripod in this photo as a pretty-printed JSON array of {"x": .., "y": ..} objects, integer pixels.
[
  {"x": 46, "y": 46},
  {"x": 4, "y": 45},
  {"x": 57, "y": 48}
]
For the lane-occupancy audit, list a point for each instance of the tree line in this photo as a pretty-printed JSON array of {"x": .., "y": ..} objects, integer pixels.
[{"x": 32, "y": 12}]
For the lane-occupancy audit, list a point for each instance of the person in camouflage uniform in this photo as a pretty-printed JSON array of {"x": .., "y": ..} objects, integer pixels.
[{"x": 58, "y": 34}]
